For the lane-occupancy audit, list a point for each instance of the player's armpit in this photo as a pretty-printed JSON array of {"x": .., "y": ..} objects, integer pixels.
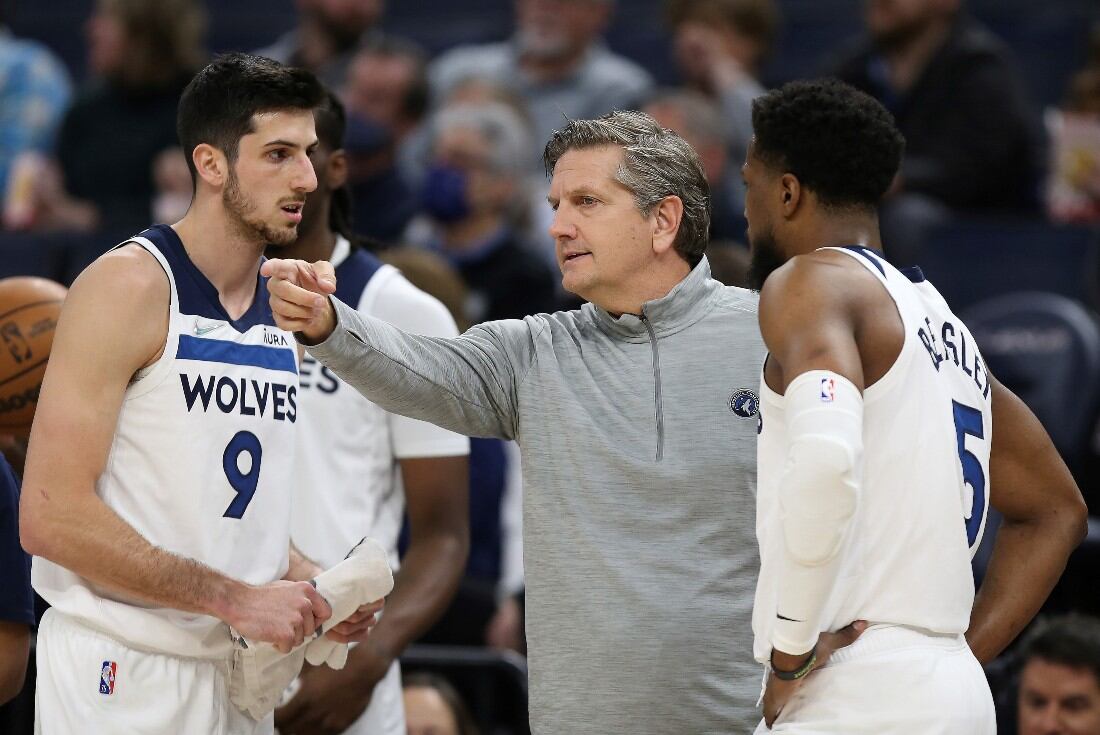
[{"x": 1045, "y": 518}]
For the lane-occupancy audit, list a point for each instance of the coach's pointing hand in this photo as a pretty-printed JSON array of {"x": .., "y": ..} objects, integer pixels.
[{"x": 299, "y": 297}]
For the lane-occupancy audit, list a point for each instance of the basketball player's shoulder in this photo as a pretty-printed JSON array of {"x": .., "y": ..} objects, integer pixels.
[
  {"x": 129, "y": 273},
  {"x": 817, "y": 278}
]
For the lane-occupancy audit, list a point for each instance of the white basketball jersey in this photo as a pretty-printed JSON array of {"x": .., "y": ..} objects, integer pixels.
[
  {"x": 348, "y": 481},
  {"x": 927, "y": 427},
  {"x": 201, "y": 460}
]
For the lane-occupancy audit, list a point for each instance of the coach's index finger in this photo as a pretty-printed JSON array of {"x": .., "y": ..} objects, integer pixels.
[{"x": 279, "y": 268}]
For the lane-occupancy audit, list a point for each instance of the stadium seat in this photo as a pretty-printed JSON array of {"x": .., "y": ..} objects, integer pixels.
[{"x": 974, "y": 260}]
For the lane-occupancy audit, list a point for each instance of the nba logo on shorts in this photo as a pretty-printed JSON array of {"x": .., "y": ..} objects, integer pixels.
[
  {"x": 828, "y": 390},
  {"x": 107, "y": 677}
]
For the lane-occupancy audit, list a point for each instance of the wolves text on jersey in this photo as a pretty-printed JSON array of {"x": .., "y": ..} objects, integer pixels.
[
  {"x": 953, "y": 345},
  {"x": 243, "y": 396}
]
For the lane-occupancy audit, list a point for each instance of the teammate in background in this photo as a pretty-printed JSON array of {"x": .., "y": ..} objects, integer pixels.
[
  {"x": 157, "y": 489},
  {"x": 358, "y": 468},
  {"x": 884, "y": 439}
]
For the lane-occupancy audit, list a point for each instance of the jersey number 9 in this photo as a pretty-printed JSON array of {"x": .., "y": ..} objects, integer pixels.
[{"x": 243, "y": 483}]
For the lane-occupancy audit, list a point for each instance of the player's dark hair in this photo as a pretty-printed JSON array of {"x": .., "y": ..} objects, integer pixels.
[
  {"x": 218, "y": 104},
  {"x": 839, "y": 142},
  {"x": 1070, "y": 640}
]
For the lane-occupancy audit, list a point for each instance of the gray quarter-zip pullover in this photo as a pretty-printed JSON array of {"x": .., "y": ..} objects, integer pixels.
[{"x": 639, "y": 469}]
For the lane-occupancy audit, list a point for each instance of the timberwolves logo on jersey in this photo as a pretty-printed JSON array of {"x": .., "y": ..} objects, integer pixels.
[{"x": 744, "y": 403}]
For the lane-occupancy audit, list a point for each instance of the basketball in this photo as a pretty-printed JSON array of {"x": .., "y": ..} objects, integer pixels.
[{"x": 29, "y": 308}]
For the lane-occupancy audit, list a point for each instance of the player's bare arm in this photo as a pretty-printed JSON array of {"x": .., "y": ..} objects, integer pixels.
[
  {"x": 1045, "y": 518},
  {"x": 430, "y": 572},
  {"x": 809, "y": 311},
  {"x": 108, "y": 331}
]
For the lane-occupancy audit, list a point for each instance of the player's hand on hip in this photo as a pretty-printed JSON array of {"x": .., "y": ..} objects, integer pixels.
[
  {"x": 779, "y": 692},
  {"x": 299, "y": 296},
  {"x": 356, "y": 627},
  {"x": 284, "y": 614}
]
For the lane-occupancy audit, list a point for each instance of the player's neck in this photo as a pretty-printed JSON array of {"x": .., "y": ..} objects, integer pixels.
[
  {"x": 223, "y": 253},
  {"x": 841, "y": 231}
]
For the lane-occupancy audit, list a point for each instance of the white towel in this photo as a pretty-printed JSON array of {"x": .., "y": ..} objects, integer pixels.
[{"x": 260, "y": 673}]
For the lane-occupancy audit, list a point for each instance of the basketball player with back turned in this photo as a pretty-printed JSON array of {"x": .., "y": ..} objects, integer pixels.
[
  {"x": 883, "y": 441},
  {"x": 156, "y": 498}
]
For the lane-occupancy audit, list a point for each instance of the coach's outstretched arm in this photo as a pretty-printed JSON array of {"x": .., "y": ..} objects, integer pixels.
[
  {"x": 465, "y": 384},
  {"x": 114, "y": 322},
  {"x": 1045, "y": 518}
]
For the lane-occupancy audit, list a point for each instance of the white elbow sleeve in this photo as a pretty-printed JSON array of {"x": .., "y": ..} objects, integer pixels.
[
  {"x": 819, "y": 488},
  {"x": 818, "y": 496}
]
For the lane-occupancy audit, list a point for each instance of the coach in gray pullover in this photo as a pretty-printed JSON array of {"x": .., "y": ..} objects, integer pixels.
[{"x": 637, "y": 424}]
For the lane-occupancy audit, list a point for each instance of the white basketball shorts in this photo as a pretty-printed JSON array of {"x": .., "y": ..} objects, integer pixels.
[
  {"x": 89, "y": 682},
  {"x": 893, "y": 680}
]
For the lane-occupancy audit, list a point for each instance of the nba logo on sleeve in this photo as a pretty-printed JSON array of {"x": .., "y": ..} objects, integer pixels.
[
  {"x": 107, "y": 677},
  {"x": 828, "y": 390}
]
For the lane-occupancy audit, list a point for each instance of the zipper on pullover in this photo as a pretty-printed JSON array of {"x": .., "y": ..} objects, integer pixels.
[{"x": 658, "y": 411}]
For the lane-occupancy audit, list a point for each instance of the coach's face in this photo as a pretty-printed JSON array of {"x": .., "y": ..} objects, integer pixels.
[
  {"x": 268, "y": 183},
  {"x": 1056, "y": 699},
  {"x": 603, "y": 243}
]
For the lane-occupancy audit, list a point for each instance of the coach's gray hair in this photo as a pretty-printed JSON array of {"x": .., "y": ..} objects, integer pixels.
[
  {"x": 502, "y": 127},
  {"x": 657, "y": 163}
]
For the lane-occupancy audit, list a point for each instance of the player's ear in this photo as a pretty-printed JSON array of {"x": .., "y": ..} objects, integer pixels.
[
  {"x": 210, "y": 164},
  {"x": 790, "y": 191},
  {"x": 336, "y": 174}
]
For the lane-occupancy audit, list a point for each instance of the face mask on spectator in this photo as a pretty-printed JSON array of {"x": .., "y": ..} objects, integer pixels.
[{"x": 444, "y": 196}]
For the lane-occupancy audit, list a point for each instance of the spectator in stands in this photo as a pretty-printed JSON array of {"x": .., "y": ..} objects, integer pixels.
[
  {"x": 34, "y": 92},
  {"x": 972, "y": 140},
  {"x": 16, "y": 602},
  {"x": 433, "y": 707},
  {"x": 143, "y": 53},
  {"x": 719, "y": 46},
  {"x": 1073, "y": 190},
  {"x": 1059, "y": 690},
  {"x": 699, "y": 121},
  {"x": 387, "y": 98},
  {"x": 473, "y": 197},
  {"x": 327, "y": 36},
  {"x": 556, "y": 61}
]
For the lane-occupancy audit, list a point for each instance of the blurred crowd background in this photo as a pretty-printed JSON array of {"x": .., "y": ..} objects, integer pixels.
[{"x": 450, "y": 104}]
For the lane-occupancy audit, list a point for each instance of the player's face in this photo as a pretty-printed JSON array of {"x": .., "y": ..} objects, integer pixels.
[
  {"x": 1058, "y": 700},
  {"x": 601, "y": 239},
  {"x": 269, "y": 181},
  {"x": 762, "y": 196}
]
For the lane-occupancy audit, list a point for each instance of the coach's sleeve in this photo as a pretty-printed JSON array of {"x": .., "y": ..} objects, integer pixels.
[{"x": 467, "y": 384}]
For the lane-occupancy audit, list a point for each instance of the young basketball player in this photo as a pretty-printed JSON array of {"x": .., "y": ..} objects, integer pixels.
[
  {"x": 883, "y": 441},
  {"x": 157, "y": 490}
]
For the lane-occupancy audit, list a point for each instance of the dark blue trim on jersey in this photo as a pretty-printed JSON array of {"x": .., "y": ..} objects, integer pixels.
[
  {"x": 867, "y": 253},
  {"x": 353, "y": 275},
  {"x": 197, "y": 295},
  {"x": 232, "y": 353},
  {"x": 913, "y": 273}
]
